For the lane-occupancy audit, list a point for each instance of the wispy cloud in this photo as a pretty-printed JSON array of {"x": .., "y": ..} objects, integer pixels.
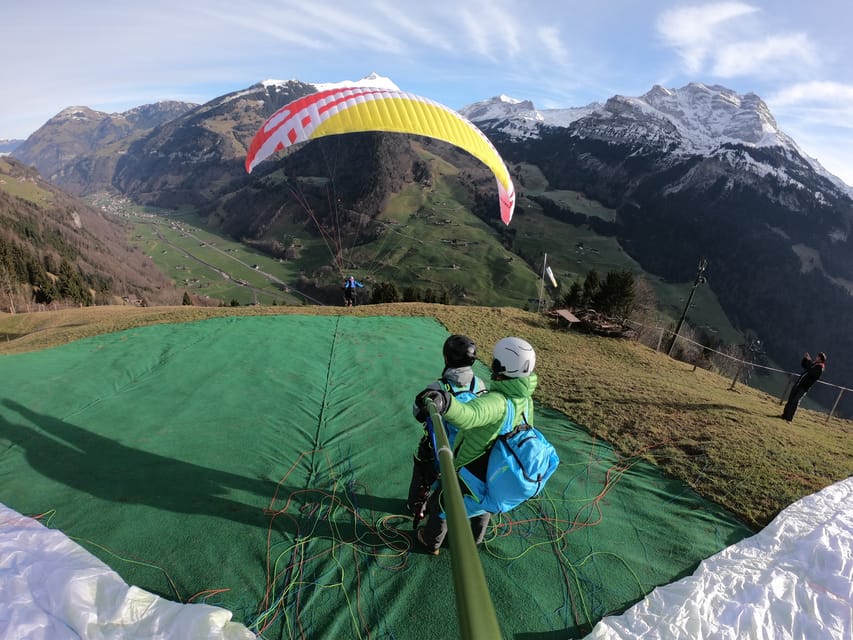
[
  {"x": 476, "y": 34},
  {"x": 694, "y": 32},
  {"x": 816, "y": 102},
  {"x": 312, "y": 25},
  {"x": 811, "y": 92},
  {"x": 506, "y": 26},
  {"x": 726, "y": 40},
  {"x": 412, "y": 27},
  {"x": 350, "y": 29},
  {"x": 492, "y": 31},
  {"x": 551, "y": 40},
  {"x": 489, "y": 30},
  {"x": 282, "y": 31},
  {"x": 773, "y": 55}
]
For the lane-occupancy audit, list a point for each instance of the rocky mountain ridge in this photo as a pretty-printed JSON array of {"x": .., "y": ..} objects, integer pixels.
[
  {"x": 696, "y": 119},
  {"x": 71, "y": 145}
]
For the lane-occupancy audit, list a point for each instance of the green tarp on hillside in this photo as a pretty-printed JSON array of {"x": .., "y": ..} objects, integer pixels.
[{"x": 261, "y": 464}]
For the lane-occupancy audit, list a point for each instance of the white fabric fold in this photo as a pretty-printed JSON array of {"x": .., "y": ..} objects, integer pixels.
[
  {"x": 51, "y": 588},
  {"x": 791, "y": 581}
]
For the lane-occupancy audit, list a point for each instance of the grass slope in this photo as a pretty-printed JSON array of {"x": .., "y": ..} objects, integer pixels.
[
  {"x": 22, "y": 187},
  {"x": 430, "y": 240},
  {"x": 726, "y": 444}
]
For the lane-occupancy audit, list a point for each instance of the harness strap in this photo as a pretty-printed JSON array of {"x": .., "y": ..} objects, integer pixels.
[
  {"x": 508, "y": 429},
  {"x": 448, "y": 386}
]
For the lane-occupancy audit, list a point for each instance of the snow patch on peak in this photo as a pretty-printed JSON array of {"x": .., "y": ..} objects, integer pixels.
[
  {"x": 74, "y": 112},
  {"x": 508, "y": 99},
  {"x": 373, "y": 77},
  {"x": 657, "y": 92},
  {"x": 500, "y": 108},
  {"x": 275, "y": 83},
  {"x": 371, "y": 80},
  {"x": 520, "y": 118},
  {"x": 564, "y": 117}
]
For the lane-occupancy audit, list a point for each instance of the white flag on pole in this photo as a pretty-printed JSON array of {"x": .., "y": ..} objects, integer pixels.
[{"x": 551, "y": 276}]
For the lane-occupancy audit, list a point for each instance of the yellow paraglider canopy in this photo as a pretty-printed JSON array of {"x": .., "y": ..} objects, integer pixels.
[{"x": 353, "y": 109}]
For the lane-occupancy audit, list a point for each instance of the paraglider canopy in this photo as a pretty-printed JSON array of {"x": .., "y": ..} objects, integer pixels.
[{"x": 354, "y": 109}]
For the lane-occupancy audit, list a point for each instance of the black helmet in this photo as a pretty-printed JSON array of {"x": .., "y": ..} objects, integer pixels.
[{"x": 459, "y": 351}]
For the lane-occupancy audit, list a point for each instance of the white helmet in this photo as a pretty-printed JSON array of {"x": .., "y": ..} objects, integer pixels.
[{"x": 514, "y": 358}]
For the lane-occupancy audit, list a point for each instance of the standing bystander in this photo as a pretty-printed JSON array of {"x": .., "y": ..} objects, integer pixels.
[{"x": 813, "y": 369}]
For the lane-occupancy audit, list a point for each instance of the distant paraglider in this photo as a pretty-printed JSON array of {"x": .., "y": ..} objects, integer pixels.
[{"x": 358, "y": 109}]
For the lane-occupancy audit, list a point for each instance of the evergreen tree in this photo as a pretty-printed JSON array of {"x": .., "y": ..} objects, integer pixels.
[
  {"x": 385, "y": 292},
  {"x": 393, "y": 293},
  {"x": 50, "y": 264},
  {"x": 590, "y": 288},
  {"x": 574, "y": 296},
  {"x": 70, "y": 284},
  {"x": 616, "y": 296},
  {"x": 187, "y": 301}
]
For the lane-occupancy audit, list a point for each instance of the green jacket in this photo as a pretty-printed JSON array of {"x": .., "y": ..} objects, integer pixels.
[{"x": 479, "y": 421}]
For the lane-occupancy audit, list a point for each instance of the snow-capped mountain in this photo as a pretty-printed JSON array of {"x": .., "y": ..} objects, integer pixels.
[
  {"x": 701, "y": 117},
  {"x": 696, "y": 119},
  {"x": 519, "y": 119},
  {"x": 707, "y": 116}
]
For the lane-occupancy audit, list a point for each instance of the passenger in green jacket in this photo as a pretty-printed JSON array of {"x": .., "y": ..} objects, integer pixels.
[{"x": 479, "y": 422}]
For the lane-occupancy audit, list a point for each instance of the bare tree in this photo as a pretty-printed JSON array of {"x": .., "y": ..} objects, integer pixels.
[{"x": 8, "y": 288}]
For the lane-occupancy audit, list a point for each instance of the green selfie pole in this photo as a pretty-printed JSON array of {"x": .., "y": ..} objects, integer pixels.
[{"x": 476, "y": 612}]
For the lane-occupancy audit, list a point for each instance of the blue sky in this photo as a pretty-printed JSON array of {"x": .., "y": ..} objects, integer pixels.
[{"x": 115, "y": 55}]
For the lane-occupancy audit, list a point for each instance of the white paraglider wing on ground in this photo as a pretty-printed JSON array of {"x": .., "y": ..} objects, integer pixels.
[
  {"x": 792, "y": 580},
  {"x": 51, "y": 588}
]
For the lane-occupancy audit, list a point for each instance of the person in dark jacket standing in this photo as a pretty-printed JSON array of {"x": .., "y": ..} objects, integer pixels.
[{"x": 813, "y": 369}]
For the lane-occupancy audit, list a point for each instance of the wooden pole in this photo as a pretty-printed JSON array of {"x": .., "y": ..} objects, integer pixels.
[
  {"x": 700, "y": 278},
  {"x": 737, "y": 374},
  {"x": 837, "y": 400}
]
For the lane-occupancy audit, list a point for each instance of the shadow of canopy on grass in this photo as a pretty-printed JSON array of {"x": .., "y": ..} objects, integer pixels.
[{"x": 108, "y": 470}]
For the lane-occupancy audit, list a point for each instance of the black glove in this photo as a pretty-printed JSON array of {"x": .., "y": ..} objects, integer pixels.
[
  {"x": 422, "y": 414},
  {"x": 439, "y": 397}
]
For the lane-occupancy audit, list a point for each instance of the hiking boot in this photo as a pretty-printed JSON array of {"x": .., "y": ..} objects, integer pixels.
[{"x": 427, "y": 548}]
